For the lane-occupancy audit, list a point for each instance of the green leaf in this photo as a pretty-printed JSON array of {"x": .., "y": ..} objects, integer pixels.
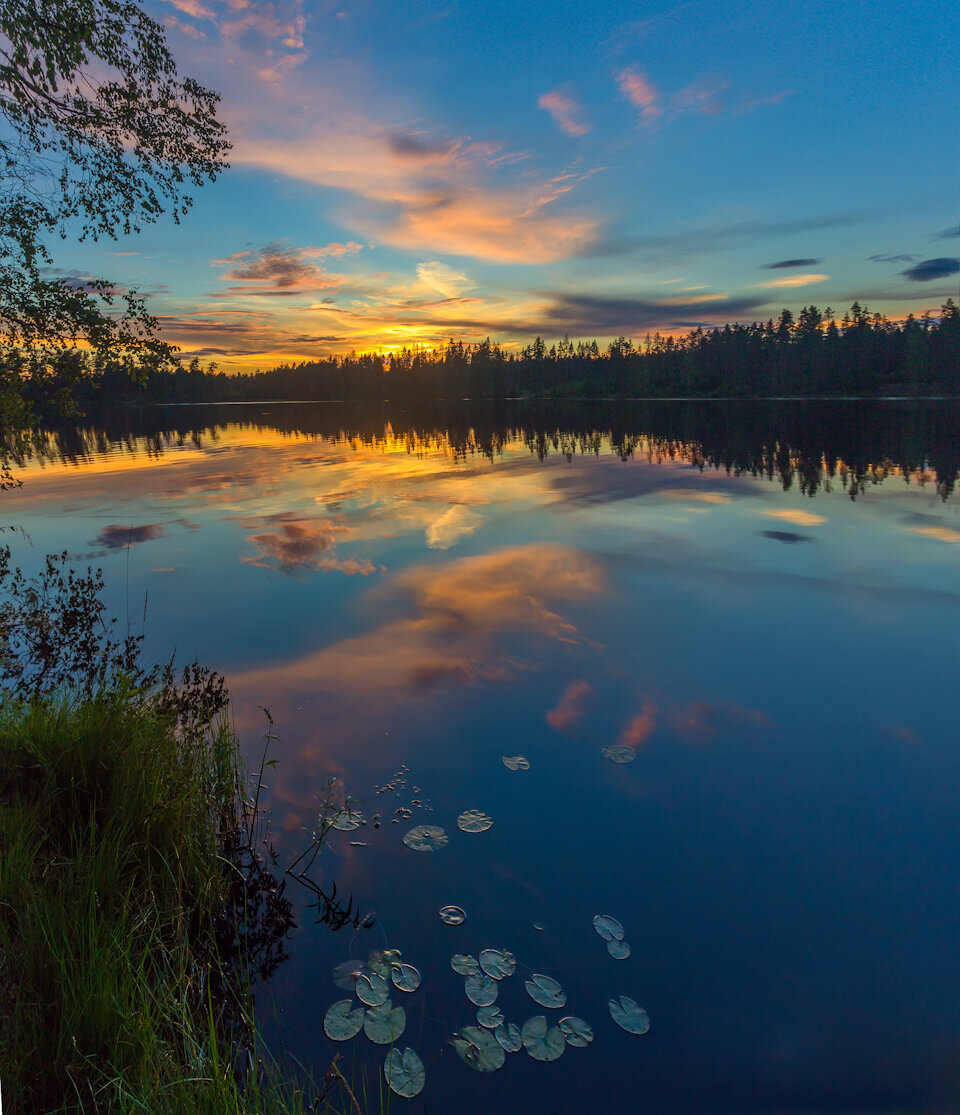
[
  {"x": 629, "y": 1015},
  {"x": 404, "y": 1073},
  {"x": 405, "y": 977},
  {"x": 608, "y": 927},
  {"x": 479, "y": 1049},
  {"x": 617, "y": 753},
  {"x": 576, "y": 1032},
  {"x": 341, "y": 1022},
  {"x": 474, "y": 820},
  {"x": 464, "y": 965},
  {"x": 508, "y": 1037},
  {"x": 372, "y": 989},
  {"x": 481, "y": 990},
  {"x": 541, "y": 1043},
  {"x": 490, "y": 1017},
  {"x": 516, "y": 762},
  {"x": 498, "y": 963},
  {"x": 384, "y": 1024},
  {"x": 426, "y": 838},
  {"x": 545, "y": 991},
  {"x": 452, "y": 915}
]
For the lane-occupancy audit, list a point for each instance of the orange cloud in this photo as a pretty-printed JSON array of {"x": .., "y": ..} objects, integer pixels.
[
  {"x": 636, "y": 87},
  {"x": 459, "y": 612},
  {"x": 298, "y": 545},
  {"x": 640, "y": 728},
  {"x": 941, "y": 534},
  {"x": 793, "y": 281},
  {"x": 795, "y": 515},
  {"x": 569, "y": 709},
  {"x": 420, "y": 193},
  {"x": 566, "y": 112}
]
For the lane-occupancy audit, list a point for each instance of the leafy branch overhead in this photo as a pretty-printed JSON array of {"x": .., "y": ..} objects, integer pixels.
[{"x": 100, "y": 135}]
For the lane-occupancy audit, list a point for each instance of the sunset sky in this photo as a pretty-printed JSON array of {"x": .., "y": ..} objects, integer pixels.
[{"x": 407, "y": 172}]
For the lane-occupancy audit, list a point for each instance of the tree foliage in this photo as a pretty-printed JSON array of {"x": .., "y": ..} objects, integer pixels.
[{"x": 99, "y": 135}]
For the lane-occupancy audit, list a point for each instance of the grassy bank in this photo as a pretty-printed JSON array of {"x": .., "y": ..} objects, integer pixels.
[{"x": 132, "y": 911}]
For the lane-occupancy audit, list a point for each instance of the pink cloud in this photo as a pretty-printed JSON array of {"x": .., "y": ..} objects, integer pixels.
[
  {"x": 641, "y": 92},
  {"x": 569, "y": 709},
  {"x": 565, "y": 111},
  {"x": 640, "y": 728}
]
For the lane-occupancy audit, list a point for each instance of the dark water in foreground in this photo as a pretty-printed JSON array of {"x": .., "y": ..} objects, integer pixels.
[{"x": 761, "y": 604}]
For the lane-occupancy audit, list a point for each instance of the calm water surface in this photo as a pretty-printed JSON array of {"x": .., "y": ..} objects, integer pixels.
[{"x": 761, "y": 605}]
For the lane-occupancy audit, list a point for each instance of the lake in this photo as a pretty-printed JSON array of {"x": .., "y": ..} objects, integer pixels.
[{"x": 722, "y": 636}]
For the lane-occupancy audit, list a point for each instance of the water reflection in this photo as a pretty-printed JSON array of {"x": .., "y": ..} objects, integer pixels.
[
  {"x": 807, "y": 445},
  {"x": 431, "y": 592}
]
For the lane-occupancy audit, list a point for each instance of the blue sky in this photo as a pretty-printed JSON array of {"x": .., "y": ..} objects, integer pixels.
[{"x": 403, "y": 173}]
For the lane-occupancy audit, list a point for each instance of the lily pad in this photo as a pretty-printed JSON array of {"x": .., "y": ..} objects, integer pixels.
[
  {"x": 509, "y": 1037},
  {"x": 341, "y": 1023},
  {"x": 372, "y": 989},
  {"x": 516, "y": 762},
  {"x": 404, "y": 1073},
  {"x": 498, "y": 963},
  {"x": 405, "y": 977},
  {"x": 490, "y": 1017},
  {"x": 384, "y": 1024},
  {"x": 481, "y": 990},
  {"x": 426, "y": 838},
  {"x": 608, "y": 927},
  {"x": 452, "y": 915},
  {"x": 541, "y": 1043},
  {"x": 577, "y": 1032},
  {"x": 474, "y": 820},
  {"x": 628, "y": 1015},
  {"x": 618, "y": 753},
  {"x": 464, "y": 965},
  {"x": 545, "y": 991},
  {"x": 346, "y": 974},
  {"x": 479, "y": 1049},
  {"x": 619, "y": 950}
]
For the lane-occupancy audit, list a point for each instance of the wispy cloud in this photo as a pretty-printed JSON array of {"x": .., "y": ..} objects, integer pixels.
[
  {"x": 443, "y": 279},
  {"x": 642, "y": 93},
  {"x": 279, "y": 267},
  {"x": 807, "y": 279},
  {"x": 566, "y": 112},
  {"x": 784, "y": 263}
]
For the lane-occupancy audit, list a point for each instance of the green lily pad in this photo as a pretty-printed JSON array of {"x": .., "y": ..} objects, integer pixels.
[
  {"x": 426, "y": 838},
  {"x": 541, "y": 1043},
  {"x": 490, "y": 1017},
  {"x": 464, "y": 965},
  {"x": 498, "y": 963},
  {"x": 343, "y": 818},
  {"x": 628, "y": 1015},
  {"x": 384, "y": 1024},
  {"x": 405, "y": 977},
  {"x": 479, "y": 1049},
  {"x": 508, "y": 1037},
  {"x": 545, "y": 991},
  {"x": 341, "y": 1023},
  {"x": 452, "y": 915},
  {"x": 474, "y": 820},
  {"x": 346, "y": 974},
  {"x": 617, "y": 753},
  {"x": 608, "y": 927},
  {"x": 577, "y": 1032},
  {"x": 404, "y": 1073},
  {"x": 372, "y": 989},
  {"x": 481, "y": 990},
  {"x": 516, "y": 762},
  {"x": 619, "y": 950}
]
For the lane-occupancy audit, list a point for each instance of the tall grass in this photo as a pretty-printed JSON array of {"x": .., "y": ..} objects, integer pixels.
[{"x": 125, "y": 962}]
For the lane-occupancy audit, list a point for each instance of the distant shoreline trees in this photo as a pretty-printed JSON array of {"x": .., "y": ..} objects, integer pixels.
[{"x": 810, "y": 355}]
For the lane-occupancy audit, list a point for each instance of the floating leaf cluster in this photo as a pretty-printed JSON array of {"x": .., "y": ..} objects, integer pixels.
[{"x": 381, "y": 1022}]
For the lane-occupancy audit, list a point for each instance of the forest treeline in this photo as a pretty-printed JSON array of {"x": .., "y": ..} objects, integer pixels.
[
  {"x": 805, "y": 446},
  {"x": 808, "y": 355}
]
